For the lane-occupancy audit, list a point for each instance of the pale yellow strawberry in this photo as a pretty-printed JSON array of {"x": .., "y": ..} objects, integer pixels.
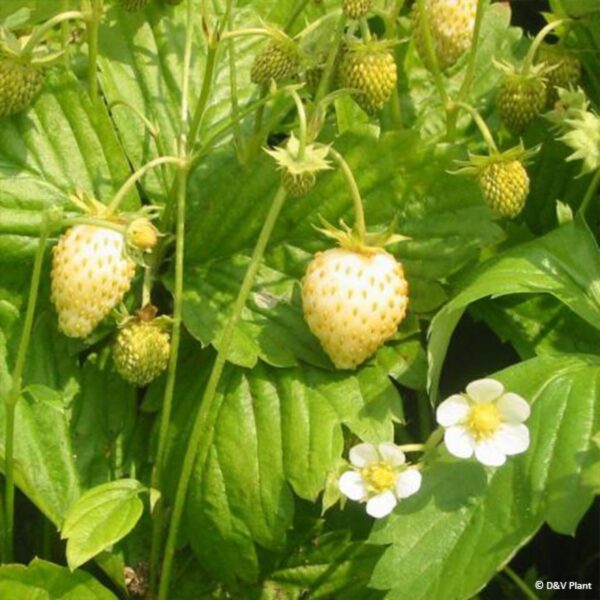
[
  {"x": 90, "y": 275},
  {"x": 353, "y": 302}
]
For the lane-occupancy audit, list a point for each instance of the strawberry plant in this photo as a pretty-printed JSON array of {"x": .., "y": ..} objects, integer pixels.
[{"x": 299, "y": 299}]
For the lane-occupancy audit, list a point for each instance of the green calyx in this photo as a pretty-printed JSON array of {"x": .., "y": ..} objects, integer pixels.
[
  {"x": 299, "y": 169},
  {"x": 349, "y": 239}
]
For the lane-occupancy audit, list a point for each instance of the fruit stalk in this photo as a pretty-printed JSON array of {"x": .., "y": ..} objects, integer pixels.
[
  {"x": 325, "y": 82},
  {"x": 539, "y": 38},
  {"x": 235, "y": 107},
  {"x": 359, "y": 212},
  {"x": 301, "y": 123},
  {"x": 204, "y": 93},
  {"x": 296, "y": 12},
  {"x": 133, "y": 179},
  {"x": 92, "y": 24},
  {"x": 202, "y": 432},
  {"x": 590, "y": 193},
  {"x": 15, "y": 392},
  {"x": 41, "y": 31},
  {"x": 485, "y": 132},
  {"x": 468, "y": 80}
]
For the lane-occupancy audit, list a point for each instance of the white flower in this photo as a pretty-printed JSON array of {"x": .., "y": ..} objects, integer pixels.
[
  {"x": 379, "y": 477},
  {"x": 485, "y": 421}
]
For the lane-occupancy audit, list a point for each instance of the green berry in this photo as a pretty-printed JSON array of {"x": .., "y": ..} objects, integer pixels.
[
  {"x": 566, "y": 72},
  {"x": 371, "y": 69},
  {"x": 505, "y": 187},
  {"x": 278, "y": 60},
  {"x": 141, "y": 351},
  {"x": 451, "y": 24},
  {"x": 298, "y": 185},
  {"x": 355, "y": 9},
  {"x": 520, "y": 100},
  {"x": 133, "y": 5},
  {"x": 20, "y": 82}
]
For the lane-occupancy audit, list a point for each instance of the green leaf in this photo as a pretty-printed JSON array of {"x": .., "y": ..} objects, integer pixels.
[
  {"x": 42, "y": 580},
  {"x": 101, "y": 517},
  {"x": 290, "y": 421},
  {"x": 466, "y": 522},
  {"x": 544, "y": 265},
  {"x": 61, "y": 145}
]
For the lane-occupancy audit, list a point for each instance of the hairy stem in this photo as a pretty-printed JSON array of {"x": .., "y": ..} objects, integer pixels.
[
  {"x": 42, "y": 30},
  {"x": 590, "y": 193},
  {"x": 203, "y": 428},
  {"x": 359, "y": 211},
  {"x": 485, "y": 132},
  {"x": 133, "y": 179},
  {"x": 15, "y": 393}
]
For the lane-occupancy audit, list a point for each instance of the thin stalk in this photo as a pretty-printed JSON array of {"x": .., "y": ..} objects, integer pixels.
[
  {"x": 431, "y": 55},
  {"x": 203, "y": 428},
  {"x": 590, "y": 193},
  {"x": 204, "y": 93},
  {"x": 228, "y": 35},
  {"x": 301, "y": 123},
  {"x": 468, "y": 80},
  {"x": 485, "y": 132},
  {"x": 152, "y": 130},
  {"x": 424, "y": 411},
  {"x": 93, "y": 24},
  {"x": 364, "y": 29},
  {"x": 187, "y": 61},
  {"x": 520, "y": 584},
  {"x": 133, "y": 179},
  {"x": 235, "y": 106},
  {"x": 15, "y": 392},
  {"x": 359, "y": 211},
  {"x": 85, "y": 220},
  {"x": 539, "y": 38},
  {"x": 65, "y": 34},
  {"x": 325, "y": 82},
  {"x": 390, "y": 20},
  {"x": 295, "y": 14},
  {"x": 40, "y": 32}
]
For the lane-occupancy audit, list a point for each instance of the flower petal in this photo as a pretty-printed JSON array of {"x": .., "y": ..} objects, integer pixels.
[
  {"x": 452, "y": 410},
  {"x": 484, "y": 390},
  {"x": 459, "y": 442},
  {"x": 352, "y": 486},
  {"x": 363, "y": 455},
  {"x": 391, "y": 454},
  {"x": 488, "y": 453},
  {"x": 408, "y": 483},
  {"x": 381, "y": 505},
  {"x": 513, "y": 408},
  {"x": 512, "y": 439}
]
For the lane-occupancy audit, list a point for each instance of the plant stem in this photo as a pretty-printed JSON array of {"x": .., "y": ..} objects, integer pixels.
[
  {"x": 520, "y": 584},
  {"x": 539, "y": 38},
  {"x": 41, "y": 31},
  {"x": 431, "y": 55},
  {"x": 152, "y": 130},
  {"x": 64, "y": 34},
  {"x": 93, "y": 24},
  {"x": 301, "y": 123},
  {"x": 15, "y": 392},
  {"x": 325, "y": 82},
  {"x": 359, "y": 211},
  {"x": 135, "y": 177},
  {"x": 204, "y": 93},
  {"x": 364, "y": 29},
  {"x": 590, "y": 193},
  {"x": 485, "y": 132},
  {"x": 235, "y": 106},
  {"x": 412, "y": 447},
  {"x": 203, "y": 428},
  {"x": 244, "y": 32},
  {"x": 85, "y": 220},
  {"x": 295, "y": 14}
]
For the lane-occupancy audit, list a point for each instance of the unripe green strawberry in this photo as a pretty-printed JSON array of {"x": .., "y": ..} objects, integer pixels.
[
  {"x": 353, "y": 301},
  {"x": 90, "y": 275},
  {"x": 298, "y": 185},
  {"x": 520, "y": 100},
  {"x": 278, "y": 60},
  {"x": 355, "y": 9},
  {"x": 371, "y": 69},
  {"x": 566, "y": 72},
  {"x": 505, "y": 187},
  {"x": 451, "y": 24},
  {"x": 19, "y": 84},
  {"x": 133, "y": 5},
  {"x": 141, "y": 351}
]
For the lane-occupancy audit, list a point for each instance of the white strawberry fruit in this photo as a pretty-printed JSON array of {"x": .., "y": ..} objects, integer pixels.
[
  {"x": 353, "y": 301},
  {"x": 90, "y": 275}
]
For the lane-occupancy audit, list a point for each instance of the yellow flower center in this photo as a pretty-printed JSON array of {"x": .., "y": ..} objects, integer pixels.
[
  {"x": 379, "y": 478},
  {"x": 483, "y": 420}
]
